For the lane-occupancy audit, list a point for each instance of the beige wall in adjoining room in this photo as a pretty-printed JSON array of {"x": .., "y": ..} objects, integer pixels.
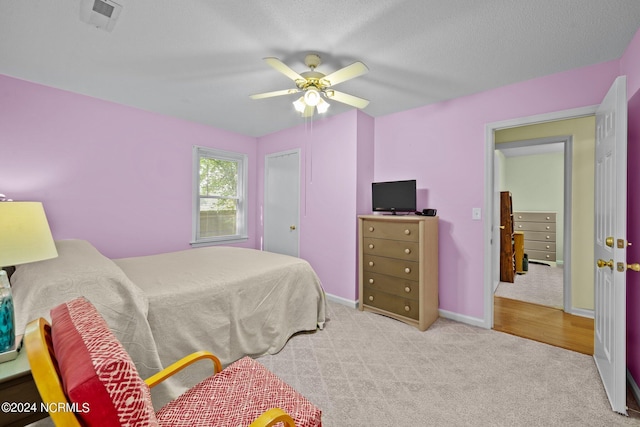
[
  {"x": 582, "y": 203},
  {"x": 536, "y": 183}
]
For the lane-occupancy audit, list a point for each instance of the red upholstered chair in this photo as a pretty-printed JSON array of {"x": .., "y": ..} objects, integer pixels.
[{"x": 77, "y": 363}]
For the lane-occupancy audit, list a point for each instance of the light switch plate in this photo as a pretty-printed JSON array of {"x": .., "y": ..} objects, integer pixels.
[{"x": 476, "y": 214}]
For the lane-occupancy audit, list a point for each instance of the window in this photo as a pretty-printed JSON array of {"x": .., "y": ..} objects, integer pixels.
[{"x": 220, "y": 189}]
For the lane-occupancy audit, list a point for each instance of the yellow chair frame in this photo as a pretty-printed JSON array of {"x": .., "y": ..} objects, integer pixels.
[{"x": 44, "y": 368}]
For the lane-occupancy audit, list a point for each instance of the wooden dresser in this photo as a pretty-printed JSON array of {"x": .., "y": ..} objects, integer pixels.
[
  {"x": 539, "y": 230},
  {"x": 398, "y": 267},
  {"x": 507, "y": 248}
]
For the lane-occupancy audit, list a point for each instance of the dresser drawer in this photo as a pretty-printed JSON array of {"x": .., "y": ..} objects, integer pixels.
[
  {"x": 536, "y": 226},
  {"x": 539, "y": 246},
  {"x": 539, "y": 236},
  {"x": 534, "y": 216},
  {"x": 542, "y": 255},
  {"x": 392, "y": 248},
  {"x": 402, "y": 306},
  {"x": 392, "y": 285},
  {"x": 398, "y": 267},
  {"x": 391, "y": 267},
  {"x": 391, "y": 230}
]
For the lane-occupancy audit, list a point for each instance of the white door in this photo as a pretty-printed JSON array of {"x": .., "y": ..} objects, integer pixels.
[
  {"x": 610, "y": 243},
  {"x": 282, "y": 202}
]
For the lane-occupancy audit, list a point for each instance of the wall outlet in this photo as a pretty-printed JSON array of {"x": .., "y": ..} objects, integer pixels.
[{"x": 476, "y": 214}]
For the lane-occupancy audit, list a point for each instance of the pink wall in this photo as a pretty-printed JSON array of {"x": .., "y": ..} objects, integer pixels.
[
  {"x": 630, "y": 66},
  {"x": 633, "y": 235},
  {"x": 329, "y": 187},
  {"x": 121, "y": 177},
  {"x": 442, "y": 146},
  {"x": 116, "y": 176}
]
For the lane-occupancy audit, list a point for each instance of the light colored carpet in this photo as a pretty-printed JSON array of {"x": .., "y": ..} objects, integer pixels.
[
  {"x": 364, "y": 369},
  {"x": 541, "y": 285}
]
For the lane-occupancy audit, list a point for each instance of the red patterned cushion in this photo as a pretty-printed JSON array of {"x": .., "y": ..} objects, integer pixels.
[
  {"x": 236, "y": 397},
  {"x": 97, "y": 373}
]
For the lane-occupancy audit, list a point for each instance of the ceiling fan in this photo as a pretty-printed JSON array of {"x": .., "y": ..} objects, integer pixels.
[{"x": 316, "y": 85}]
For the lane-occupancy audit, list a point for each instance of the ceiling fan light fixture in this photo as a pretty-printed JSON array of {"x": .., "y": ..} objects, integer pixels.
[
  {"x": 312, "y": 97},
  {"x": 314, "y": 85},
  {"x": 322, "y": 106},
  {"x": 299, "y": 105}
]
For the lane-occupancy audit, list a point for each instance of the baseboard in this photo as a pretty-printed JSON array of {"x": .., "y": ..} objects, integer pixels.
[
  {"x": 473, "y": 321},
  {"x": 341, "y": 300},
  {"x": 583, "y": 312}
]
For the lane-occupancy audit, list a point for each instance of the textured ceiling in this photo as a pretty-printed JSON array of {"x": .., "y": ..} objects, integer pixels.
[{"x": 201, "y": 59}]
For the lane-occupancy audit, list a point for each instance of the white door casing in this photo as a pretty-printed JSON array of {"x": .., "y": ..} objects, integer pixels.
[
  {"x": 282, "y": 203},
  {"x": 610, "y": 243},
  {"x": 492, "y": 262},
  {"x": 496, "y": 221}
]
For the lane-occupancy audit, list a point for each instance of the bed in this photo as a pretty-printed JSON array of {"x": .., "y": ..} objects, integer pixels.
[{"x": 227, "y": 300}]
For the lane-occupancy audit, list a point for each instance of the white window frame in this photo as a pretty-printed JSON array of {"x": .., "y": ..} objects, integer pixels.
[{"x": 242, "y": 214}]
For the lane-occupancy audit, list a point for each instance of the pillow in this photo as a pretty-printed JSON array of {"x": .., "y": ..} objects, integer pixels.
[{"x": 97, "y": 373}]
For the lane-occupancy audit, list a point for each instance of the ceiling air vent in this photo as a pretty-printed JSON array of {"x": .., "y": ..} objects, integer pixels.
[{"x": 100, "y": 13}]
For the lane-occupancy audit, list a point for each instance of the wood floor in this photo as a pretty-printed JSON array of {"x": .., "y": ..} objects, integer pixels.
[{"x": 545, "y": 324}]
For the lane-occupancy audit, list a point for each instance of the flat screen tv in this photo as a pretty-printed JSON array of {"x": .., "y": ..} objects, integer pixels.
[{"x": 394, "y": 196}]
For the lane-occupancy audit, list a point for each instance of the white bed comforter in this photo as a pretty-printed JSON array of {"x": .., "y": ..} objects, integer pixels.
[{"x": 230, "y": 301}]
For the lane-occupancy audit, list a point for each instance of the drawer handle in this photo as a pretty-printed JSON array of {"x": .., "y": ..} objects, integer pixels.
[
  {"x": 519, "y": 216},
  {"x": 548, "y": 247},
  {"x": 407, "y": 308},
  {"x": 370, "y": 297},
  {"x": 548, "y": 256},
  {"x": 407, "y": 289},
  {"x": 371, "y": 263},
  {"x": 371, "y": 228},
  {"x": 407, "y": 232},
  {"x": 548, "y": 237},
  {"x": 407, "y": 270},
  {"x": 548, "y": 228},
  {"x": 371, "y": 281},
  {"x": 407, "y": 251},
  {"x": 371, "y": 246},
  {"x": 548, "y": 217},
  {"x": 519, "y": 226}
]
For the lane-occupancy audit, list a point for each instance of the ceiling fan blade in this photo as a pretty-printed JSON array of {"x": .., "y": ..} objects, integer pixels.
[
  {"x": 349, "y": 72},
  {"x": 345, "y": 98},
  {"x": 283, "y": 68},
  {"x": 274, "y": 93}
]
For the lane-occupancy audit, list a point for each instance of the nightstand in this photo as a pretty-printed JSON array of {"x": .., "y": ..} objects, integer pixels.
[{"x": 17, "y": 387}]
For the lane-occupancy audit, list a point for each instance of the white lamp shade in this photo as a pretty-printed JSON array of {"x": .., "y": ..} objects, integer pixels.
[
  {"x": 322, "y": 106},
  {"x": 312, "y": 97},
  {"x": 24, "y": 234},
  {"x": 299, "y": 105}
]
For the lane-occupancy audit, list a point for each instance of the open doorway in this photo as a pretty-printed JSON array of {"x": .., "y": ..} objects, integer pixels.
[
  {"x": 578, "y": 230},
  {"x": 577, "y": 133},
  {"x": 537, "y": 173}
]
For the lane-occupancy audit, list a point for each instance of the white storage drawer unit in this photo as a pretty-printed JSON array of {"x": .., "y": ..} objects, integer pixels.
[{"x": 539, "y": 230}]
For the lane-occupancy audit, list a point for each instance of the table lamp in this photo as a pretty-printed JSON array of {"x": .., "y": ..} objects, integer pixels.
[{"x": 24, "y": 237}]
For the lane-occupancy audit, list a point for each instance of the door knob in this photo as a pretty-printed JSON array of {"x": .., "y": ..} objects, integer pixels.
[
  {"x": 602, "y": 263},
  {"x": 634, "y": 267},
  {"x": 292, "y": 227}
]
